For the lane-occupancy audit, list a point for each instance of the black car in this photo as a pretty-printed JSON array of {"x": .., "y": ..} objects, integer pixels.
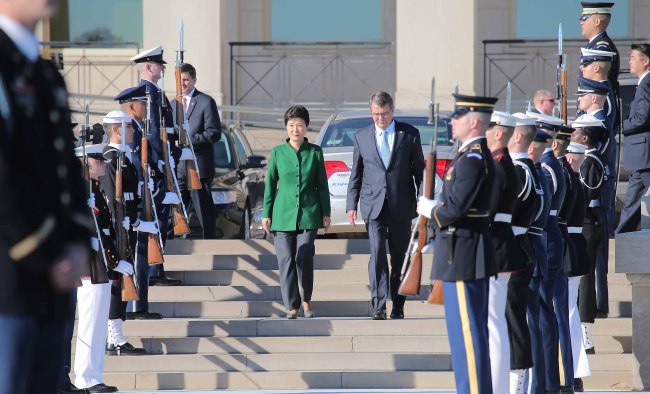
[{"x": 237, "y": 188}]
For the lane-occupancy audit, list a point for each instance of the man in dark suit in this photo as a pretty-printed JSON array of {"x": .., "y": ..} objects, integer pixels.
[
  {"x": 386, "y": 174},
  {"x": 204, "y": 129},
  {"x": 46, "y": 224},
  {"x": 636, "y": 129},
  {"x": 465, "y": 257}
]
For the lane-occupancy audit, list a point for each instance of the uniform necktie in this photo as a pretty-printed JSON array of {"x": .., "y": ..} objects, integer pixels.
[{"x": 384, "y": 148}]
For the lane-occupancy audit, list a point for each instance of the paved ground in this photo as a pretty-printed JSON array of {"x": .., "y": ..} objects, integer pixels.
[{"x": 329, "y": 392}]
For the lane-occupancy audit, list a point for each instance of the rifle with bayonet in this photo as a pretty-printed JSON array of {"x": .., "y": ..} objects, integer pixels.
[
  {"x": 191, "y": 166},
  {"x": 412, "y": 266},
  {"x": 129, "y": 292},
  {"x": 561, "y": 78},
  {"x": 179, "y": 216},
  {"x": 154, "y": 243}
]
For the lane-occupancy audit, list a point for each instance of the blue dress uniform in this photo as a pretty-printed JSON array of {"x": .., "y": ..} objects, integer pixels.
[
  {"x": 537, "y": 234},
  {"x": 601, "y": 41},
  {"x": 464, "y": 258}
]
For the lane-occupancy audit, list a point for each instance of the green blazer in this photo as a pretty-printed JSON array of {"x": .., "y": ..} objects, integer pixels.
[{"x": 296, "y": 196}]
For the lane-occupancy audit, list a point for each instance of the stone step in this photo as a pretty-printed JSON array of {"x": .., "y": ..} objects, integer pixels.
[
  {"x": 208, "y": 262},
  {"x": 255, "y": 246},
  {"x": 280, "y": 380},
  {"x": 607, "y": 344},
  {"x": 260, "y": 292}
]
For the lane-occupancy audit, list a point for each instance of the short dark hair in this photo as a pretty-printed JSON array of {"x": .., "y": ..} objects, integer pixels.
[
  {"x": 188, "y": 68},
  {"x": 382, "y": 99},
  {"x": 296, "y": 111},
  {"x": 643, "y": 48},
  {"x": 594, "y": 134}
]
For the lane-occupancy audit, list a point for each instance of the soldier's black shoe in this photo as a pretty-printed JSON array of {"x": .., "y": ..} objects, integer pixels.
[
  {"x": 566, "y": 389},
  {"x": 143, "y": 316},
  {"x": 102, "y": 388},
  {"x": 381, "y": 315},
  {"x": 601, "y": 315},
  {"x": 578, "y": 386},
  {"x": 164, "y": 281},
  {"x": 72, "y": 389},
  {"x": 591, "y": 350},
  {"x": 125, "y": 349},
  {"x": 397, "y": 314}
]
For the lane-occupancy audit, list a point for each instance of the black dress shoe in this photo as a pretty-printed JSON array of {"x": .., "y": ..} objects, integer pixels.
[
  {"x": 566, "y": 390},
  {"x": 102, "y": 388},
  {"x": 125, "y": 349},
  {"x": 396, "y": 314},
  {"x": 601, "y": 315},
  {"x": 164, "y": 281},
  {"x": 143, "y": 316},
  {"x": 72, "y": 389},
  {"x": 381, "y": 315},
  {"x": 591, "y": 350},
  {"x": 578, "y": 386}
]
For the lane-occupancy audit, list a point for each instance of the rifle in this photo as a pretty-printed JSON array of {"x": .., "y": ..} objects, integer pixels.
[
  {"x": 154, "y": 244},
  {"x": 561, "y": 78},
  {"x": 412, "y": 266},
  {"x": 98, "y": 266},
  {"x": 129, "y": 292},
  {"x": 191, "y": 166}
]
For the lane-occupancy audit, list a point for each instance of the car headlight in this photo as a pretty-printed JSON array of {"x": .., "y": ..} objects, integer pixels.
[{"x": 224, "y": 197}]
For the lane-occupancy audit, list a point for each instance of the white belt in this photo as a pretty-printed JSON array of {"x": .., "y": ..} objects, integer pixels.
[
  {"x": 503, "y": 217},
  {"x": 106, "y": 231},
  {"x": 553, "y": 212},
  {"x": 128, "y": 196},
  {"x": 594, "y": 203},
  {"x": 519, "y": 230},
  {"x": 536, "y": 231},
  {"x": 574, "y": 230}
]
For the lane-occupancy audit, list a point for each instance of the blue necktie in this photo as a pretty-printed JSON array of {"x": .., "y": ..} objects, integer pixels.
[{"x": 384, "y": 149}]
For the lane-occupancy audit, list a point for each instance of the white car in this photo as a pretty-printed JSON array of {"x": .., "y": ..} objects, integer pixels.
[{"x": 336, "y": 139}]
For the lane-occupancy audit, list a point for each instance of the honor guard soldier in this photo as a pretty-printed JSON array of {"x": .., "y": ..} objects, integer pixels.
[
  {"x": 465, "y": 258},
  {"x": 594, "y": 22},
  {"x": 561, "y": 297},
  {"x": 151, "y": 67},
  {"x": 537, "y": 378},
  {"x": 133, "y": 102},
  {"x": 118, "y": 145},
  {"x": 555, "y": 254},
  {"x": 589, "y": 131},
  {"x": 576, "y": 268},
  {"x": 509, "y": 255},
  {"x": 93, "y": 297},
  {"x": 528, "y": 206}
]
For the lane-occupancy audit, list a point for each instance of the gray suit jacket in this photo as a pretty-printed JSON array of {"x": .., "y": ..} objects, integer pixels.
[
  {"x": 636, "y": 129},
  {"x": 205, "y": 130},
  {"x": 371, "y": 183}
]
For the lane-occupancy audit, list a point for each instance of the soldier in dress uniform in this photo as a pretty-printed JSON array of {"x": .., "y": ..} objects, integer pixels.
[
  {"x": 133, "y": 103},
  {"x": 577, "y": 267},
  {"x": 589, "y": 130},
  {"x": 509, "y": 255},
  {"x": 151, "y": 67},
  {"x": 529, "y": 204},
  {"x": 554, "y": 281},
  {"x": 465, "y": 257},
  {"x": 119, "y": 140},
  {"x": 93, "y": 297},
  {"x": 46, "y": 225},
  {"x": 594, "y": 21}
]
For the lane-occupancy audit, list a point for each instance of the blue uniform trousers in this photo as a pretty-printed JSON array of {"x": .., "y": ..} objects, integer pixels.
[
  {"x": 466, "y": 311},
  {"x": 561, "y": 303},
  {"x": 549, "y": 331}
]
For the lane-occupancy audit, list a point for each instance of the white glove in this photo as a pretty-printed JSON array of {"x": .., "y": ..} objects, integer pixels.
[
  {"x": 140, "y": 185},
  {"x": 161, "y": 165},
  {"x": 91, "y": 200},
  {"x": 126, "y": 223},
  {"x": 150, "y": 184},
  {"x": 425, "y": 206},
  {"x": 172, "y": 163},
  {"x": 186, "y": 154},
  {"x": 146, "y": 227},
  {"x": 171, "y": 198},
  {"x": 124, "y": 268},
  {"x": 428, "y": 248},
  {"x": 169, "y": 130},
  {"x": 186, "y": 125},
  {"x": 94, "y": 243}
]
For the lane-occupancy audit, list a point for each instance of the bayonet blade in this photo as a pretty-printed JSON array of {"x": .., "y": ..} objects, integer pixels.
[
  {"x": 182, "y": 36},
  {"x": 559, "y": 40},
  {"x": 508, "y": 96}
]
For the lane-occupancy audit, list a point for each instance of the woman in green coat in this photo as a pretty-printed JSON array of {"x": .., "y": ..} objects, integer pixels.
[{"x": 296, "y": 205}]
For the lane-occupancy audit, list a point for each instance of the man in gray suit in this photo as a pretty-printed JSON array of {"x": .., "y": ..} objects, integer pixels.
[
  {"x": 386, "y": 174},
  {"x": 204, "y": 130},
  {"x": 636, "y": 145}
]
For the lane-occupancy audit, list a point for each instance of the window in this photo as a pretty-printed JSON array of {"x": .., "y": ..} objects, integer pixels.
[
  {"x": 98, "y": 21},
  {"x": 540, "y": 19},
  {"x": 222, "y": 153},
  {"x": 241, "y": 149},
  {"x": 331, "y": 20}
]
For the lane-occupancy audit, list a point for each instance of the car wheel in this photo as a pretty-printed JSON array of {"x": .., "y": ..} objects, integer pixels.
[{"x": 245, "y": 232}]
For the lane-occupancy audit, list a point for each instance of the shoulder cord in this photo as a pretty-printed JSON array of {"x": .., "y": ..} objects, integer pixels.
[{"x": 582, "y": 179}]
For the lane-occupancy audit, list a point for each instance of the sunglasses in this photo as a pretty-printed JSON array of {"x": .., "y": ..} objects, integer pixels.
[{"x": 585, "y": 17}]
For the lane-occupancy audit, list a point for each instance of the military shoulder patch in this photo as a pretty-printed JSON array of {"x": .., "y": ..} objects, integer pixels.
[{"x": 449, "y": 172}]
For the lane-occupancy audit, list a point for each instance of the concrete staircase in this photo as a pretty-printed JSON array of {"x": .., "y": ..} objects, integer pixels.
[{"x": 225, "y": 328}]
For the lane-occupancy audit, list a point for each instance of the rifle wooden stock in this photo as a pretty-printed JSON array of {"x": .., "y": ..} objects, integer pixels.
[
  {"x": 194, "y": 182},
  {"x": 129, "y": 292},
  {"x": 178, "y": 218},
  {"x": 563, "y": 100},
  {"x": 436, "y": 295},
  {"x": 154, "y": 251}
]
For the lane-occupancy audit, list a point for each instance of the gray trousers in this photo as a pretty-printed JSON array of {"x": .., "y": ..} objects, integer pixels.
[{"x": 295, "y": 253}]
